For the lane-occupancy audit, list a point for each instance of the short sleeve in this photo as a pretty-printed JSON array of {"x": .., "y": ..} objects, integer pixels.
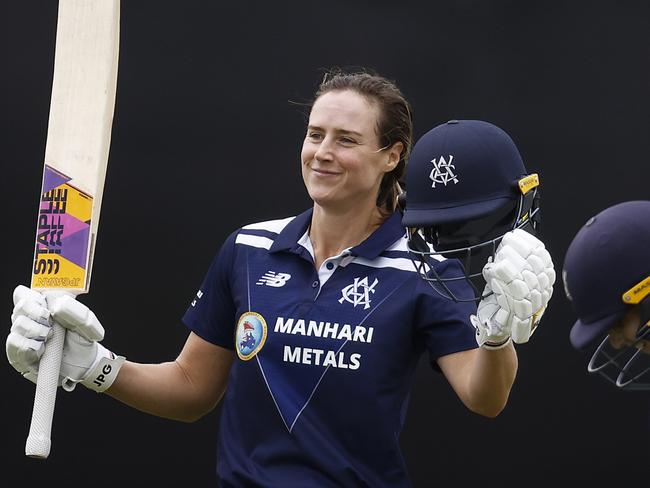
[
  {"x": 211, "y": 315},
  {"x": 442, "y": 324}
]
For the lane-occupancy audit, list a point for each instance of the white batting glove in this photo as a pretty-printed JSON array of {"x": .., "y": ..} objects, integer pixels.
[
  {"x": 521, "y": 277},
  {"x": 84, "y": 360}
]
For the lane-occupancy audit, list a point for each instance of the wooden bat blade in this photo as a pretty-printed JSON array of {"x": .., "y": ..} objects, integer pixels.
[
  {"x": 78, "y": 141},
  {"x": 76, "y": 157}
]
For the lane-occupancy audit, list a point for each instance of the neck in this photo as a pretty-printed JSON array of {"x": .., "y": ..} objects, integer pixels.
[{"x": 331, "y": 232}]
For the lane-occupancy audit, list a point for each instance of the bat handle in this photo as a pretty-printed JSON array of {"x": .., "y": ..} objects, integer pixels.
[{"x": 38, "y": 441}]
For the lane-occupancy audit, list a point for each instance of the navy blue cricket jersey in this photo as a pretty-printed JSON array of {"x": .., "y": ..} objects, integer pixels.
[{"x": 319, "y": 390}]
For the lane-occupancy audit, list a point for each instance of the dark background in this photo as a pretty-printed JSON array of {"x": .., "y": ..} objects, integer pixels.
[{"x": 206, "y": 138}]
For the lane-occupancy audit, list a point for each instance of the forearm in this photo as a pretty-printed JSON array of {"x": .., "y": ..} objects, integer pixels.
[
  {"x": 164, "y": 390},
  {"x": 492, "y": 376}
]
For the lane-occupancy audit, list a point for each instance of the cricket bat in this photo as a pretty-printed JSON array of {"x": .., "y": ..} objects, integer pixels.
[{"x": 76, "y": 155}]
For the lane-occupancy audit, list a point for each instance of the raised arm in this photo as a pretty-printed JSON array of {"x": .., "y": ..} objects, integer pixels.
[{"x": 519, "y": 286}]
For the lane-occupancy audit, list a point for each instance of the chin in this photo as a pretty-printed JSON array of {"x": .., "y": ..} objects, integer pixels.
[
  {"x": 321, "y": 195},
  {"x": 325, "y": 199}
]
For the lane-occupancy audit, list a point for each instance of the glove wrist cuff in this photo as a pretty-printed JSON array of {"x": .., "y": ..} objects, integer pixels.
[
  {"x": 104, "y": 370},
  {"x": 493, "y": 346}
]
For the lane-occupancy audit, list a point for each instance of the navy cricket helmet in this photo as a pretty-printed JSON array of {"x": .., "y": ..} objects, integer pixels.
[
  {"x": 466, "y": 187},
  {"x": 606, "y": 272}
]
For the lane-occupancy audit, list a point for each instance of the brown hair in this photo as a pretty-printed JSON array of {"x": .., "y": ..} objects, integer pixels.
[{"x": 395, "y": 123}]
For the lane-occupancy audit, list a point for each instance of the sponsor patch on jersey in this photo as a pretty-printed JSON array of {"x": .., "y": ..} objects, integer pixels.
[{"x": 250, "y": 335}]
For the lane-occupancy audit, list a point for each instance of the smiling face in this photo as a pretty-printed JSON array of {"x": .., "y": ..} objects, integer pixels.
[{"x": 342, "y": 161}]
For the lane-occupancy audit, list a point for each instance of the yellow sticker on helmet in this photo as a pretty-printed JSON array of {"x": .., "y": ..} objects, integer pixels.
[
  {"x": 638, "y": 292},
  {"x": 529, "y": 182}
]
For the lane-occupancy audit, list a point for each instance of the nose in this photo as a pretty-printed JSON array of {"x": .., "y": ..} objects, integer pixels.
[{"x": 324, "y": 151}]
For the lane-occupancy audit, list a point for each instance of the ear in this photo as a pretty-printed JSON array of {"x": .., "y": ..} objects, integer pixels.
[{"x": 394, "y": 155}]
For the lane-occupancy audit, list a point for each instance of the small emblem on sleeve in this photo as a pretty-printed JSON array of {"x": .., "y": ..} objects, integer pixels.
[
  {"x": 250, "y": 335},
  {"x": 199, "y": 294}
]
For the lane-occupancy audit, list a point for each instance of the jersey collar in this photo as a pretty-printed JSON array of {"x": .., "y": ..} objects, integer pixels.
[{"x": 380, "y": 240}]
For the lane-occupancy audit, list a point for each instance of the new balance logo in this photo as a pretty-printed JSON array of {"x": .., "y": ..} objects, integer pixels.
[
  {"x": 271, "y": 278},
  {"x": 358, "y": 293}
]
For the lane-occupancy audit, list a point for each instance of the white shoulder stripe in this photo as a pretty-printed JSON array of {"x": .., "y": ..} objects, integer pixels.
[
  {"x": 437, "y": 257},
  {"x": 402, "y": 245},
  {"x": 398, "y": 263},
  {"x": 270, "y": 225},
  {"x": 254, "y": 241}
]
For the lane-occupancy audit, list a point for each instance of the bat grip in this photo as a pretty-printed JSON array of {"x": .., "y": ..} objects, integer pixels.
[{"x": 38, "y": 441}]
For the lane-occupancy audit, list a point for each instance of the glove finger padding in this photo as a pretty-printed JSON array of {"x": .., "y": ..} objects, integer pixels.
[
  {"x": 537, "y": 263},
  {"x": 84, "y": 359},
  {"x": 523, "y": 242},
  {"x": 26, "y": 343},
  {"x": 76, "y": 316},
  {"x": 30, "y": 328},
  {"x": 23, "y": 353},
  {"x": 521, "y": 275},
  {"x": 532, "y": 279},
  {"x": 536, "y": 300},
  {"x": 521, "y": 330},
  {"x": 31, "y": 304},
  {"x": 21, "y": 292}
]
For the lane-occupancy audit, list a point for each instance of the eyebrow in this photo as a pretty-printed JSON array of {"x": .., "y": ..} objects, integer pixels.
[{"x": 340, "y": 131}]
